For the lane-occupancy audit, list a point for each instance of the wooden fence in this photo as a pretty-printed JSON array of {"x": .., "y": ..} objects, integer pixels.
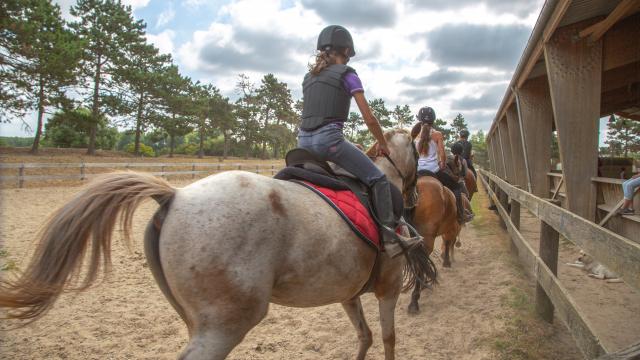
[
  {"x": 84, "y": 170},
  {"x": 614, "y": 251}
]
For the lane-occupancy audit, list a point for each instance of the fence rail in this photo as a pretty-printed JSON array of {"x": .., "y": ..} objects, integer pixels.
[
  {"x": 210, "y": 168},
  {"x": 616, "y": 252}
]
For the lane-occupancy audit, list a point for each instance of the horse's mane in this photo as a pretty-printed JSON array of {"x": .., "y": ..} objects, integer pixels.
[{"x": 372, "y": 151}]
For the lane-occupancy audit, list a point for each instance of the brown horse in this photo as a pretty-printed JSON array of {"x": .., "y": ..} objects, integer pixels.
[
  {"x": 470, "y": 183},
  {"x": 221, "y": 249},
  {"x": 435, "y": 215}
]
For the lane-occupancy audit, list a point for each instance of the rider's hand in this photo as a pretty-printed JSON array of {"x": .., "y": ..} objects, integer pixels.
[
  {"x": 383, "y": 149},
  {"x": 441, "y": 164}
]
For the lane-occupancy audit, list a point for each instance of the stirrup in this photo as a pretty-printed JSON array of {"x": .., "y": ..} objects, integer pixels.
[{"x": 396, "y": 244}]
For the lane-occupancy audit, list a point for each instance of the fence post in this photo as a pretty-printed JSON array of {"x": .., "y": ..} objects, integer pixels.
[
  {"x": 21, "y": 176},
  {"x": 162, "y": 172},
  {"x": 549, "y": 254},
  {"x": 504, "y": 201},
  {"x": 257, "y": 169},
  {"x": 193, "y": 171},
  {"x": 82, "y": 175},
  {"x": 273, "y": 169},
  {"x": 239, "y": 166},
  {"x": 514, "y": 214}
]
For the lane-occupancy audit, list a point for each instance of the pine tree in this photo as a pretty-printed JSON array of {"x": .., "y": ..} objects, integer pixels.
[
  {"x": 135, "y": 83},
  {"x": 402, "y": 116},
  {"x": 42, "y": 55},
  {"x": 380, "y": 111},
  {"x": 623, "y": 136},
  {"x": 176, "y": 115},
  {"x": 108, "y": 31},
  {"x": 458, "y": 124}
]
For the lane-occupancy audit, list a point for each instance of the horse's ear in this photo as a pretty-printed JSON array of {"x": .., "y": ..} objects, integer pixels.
[{"x": 373, "y": 150}]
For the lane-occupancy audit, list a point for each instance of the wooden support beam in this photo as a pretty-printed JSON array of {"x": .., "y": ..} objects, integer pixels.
[
  {"x": 574, "y": 69},
  {"x": 537, "y": 119},
  {"x": 624, "y": 9},
  {"x": 557, "y": 190},
  {"x": 620, "y": 43},
  {"x": 517, "y": 152},
  {"x": 620, "y": 99},
  {"x": 505, "y": 137},
  {"x": 497, "y": 148},
  {"x": 622, "y": 76}
]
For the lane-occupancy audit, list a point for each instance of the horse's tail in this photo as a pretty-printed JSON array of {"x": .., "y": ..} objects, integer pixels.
[
  {"x": 418, "y": 268},
  {"x": 65, "y": 239}
]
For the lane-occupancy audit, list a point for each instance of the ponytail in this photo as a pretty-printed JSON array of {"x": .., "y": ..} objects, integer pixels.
[
  {"x": 425, "y": 137},
  {"x": 324, "y": 58}
]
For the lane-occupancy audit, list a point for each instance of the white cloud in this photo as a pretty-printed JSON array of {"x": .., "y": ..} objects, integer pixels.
[
  {"x": 163, "y": 41},
  {"x": 136, "y": 4},
  {"x": 165, "y": 17}
]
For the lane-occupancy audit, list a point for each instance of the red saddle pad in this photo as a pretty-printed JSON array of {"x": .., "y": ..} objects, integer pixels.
[{"x": 352, "y": 210}]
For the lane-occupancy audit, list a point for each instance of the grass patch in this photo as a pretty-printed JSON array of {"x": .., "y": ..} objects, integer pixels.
[
  {"x": 525, "y": 336},
  {"x": 7, "y": 264}
]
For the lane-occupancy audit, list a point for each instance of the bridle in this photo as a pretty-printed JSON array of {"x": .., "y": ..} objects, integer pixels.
[{"x": 406, "y": 184}]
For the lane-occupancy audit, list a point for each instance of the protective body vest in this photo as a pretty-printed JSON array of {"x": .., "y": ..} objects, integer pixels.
[
  {"x": 466, "y": 149},
  {"x": 325, "y": 98}
]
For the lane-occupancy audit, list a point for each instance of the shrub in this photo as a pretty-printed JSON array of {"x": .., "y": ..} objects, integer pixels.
[{"x": 145, "y": 150}]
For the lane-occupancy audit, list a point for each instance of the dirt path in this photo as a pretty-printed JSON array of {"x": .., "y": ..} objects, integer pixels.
[{"x": 480, "y": 310}]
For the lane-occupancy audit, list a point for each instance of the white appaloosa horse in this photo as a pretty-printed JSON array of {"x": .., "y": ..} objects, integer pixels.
[{"x": 221, "y": 249}]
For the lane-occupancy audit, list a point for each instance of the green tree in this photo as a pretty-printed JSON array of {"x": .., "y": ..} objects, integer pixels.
[
  {"x": 402, "y": 116},
  {"x": 136, "y": 80},
  {"x": 176, "y": 115},
  {"x": 44, "y": 55},
  {"x": 109, "y": 32},
  {"x": 380, "y": 111},
  {"x": 351, "y": 126},
  {"x": 224, "y": 117},
  {"x": 623, "y": 136},
  {"x": 71, "y": 128},
  {"x": 12, "y": 27},
  {"x": 458, "y": 124},
  {"x": 447, "y": 132},
  {"x": 246, "y": 111},
  {"x": 479, "y": 143},
  {"x": 274, "y": 102}
]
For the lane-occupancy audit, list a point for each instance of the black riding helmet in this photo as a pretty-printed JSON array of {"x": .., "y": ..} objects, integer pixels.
[
  {"x": 456, "y": 149},
  {"x": 336, "y": 36},
  {"x": 464, "y": 134},
  {"x": 426, "y": 115}
]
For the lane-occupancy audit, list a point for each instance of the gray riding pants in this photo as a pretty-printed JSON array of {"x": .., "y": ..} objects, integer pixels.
[{"x": 328, "y": 144}]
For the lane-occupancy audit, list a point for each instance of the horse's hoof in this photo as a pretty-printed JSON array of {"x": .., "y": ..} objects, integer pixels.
[
  {"x": 447, "y": 265},
  {"x": 413, "y": 309},
  {"x": 458, "y": 244}
]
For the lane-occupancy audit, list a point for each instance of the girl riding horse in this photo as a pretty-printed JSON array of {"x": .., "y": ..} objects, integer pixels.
[{"x": 327, "y": 91}]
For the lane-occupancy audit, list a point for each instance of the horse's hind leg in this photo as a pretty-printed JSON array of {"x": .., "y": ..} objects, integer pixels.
[
  {"x": 218, "y": 329},
  {"x": 414, "y": 308},
  {"x": 353, "y": 308},
  {"x": 447, "y": 248}
]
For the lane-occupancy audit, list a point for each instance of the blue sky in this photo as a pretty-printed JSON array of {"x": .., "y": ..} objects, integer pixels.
[{"x": 456, "y": 56}]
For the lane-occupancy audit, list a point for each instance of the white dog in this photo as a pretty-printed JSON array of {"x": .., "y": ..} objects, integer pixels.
[{"x": 594, "y": 268}]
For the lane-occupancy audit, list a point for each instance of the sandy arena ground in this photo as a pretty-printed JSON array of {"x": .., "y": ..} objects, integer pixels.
[{"x": 480, "y": 310}]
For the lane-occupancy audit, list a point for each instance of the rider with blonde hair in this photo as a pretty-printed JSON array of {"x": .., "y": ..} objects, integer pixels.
[{"x": 327, "y": 91}]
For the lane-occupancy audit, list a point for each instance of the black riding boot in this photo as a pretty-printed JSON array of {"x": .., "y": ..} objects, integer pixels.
[{"x": 394, "y": 244}]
